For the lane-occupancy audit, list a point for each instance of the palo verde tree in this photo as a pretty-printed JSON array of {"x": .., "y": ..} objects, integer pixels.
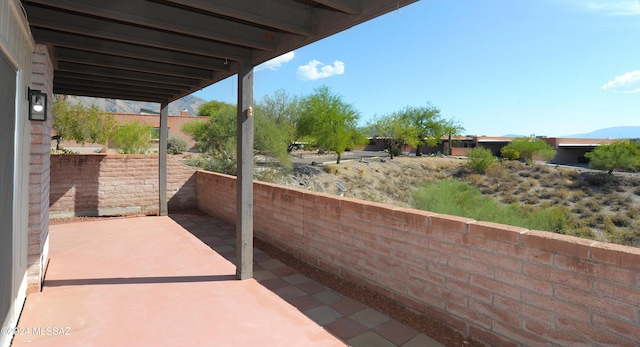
[
  {"x": 281, "y": 110},
  {"x": 81, "y": 124},
  {"x": 217, "y": 136},
  {"x": 427, "y": 125},
  {"x": 132, "y": 138},
  {"x": 393, "y": 130},
  {"x": 528, "y": 148},
  {"x": 327, "y": 121},
  {"x": 619, "y": 155}
]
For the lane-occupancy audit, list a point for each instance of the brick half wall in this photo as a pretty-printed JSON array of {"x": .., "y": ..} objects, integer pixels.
[
  {"x": 502, "y": 285},
  {"x": 116, "y": 184}
]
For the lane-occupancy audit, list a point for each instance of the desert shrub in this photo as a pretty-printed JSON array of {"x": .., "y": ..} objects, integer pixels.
[
  {"x": 546, "y": 194},
  {"x": 593, "y": 205},
  {"x": 531, "y": 199},
  {"x": 476, "y": 180},
  {"x": 583, "y": 232},
  {"x": 480, "y": 159},
  {"x": 132, "y": 138},
  {"x": 558, "y": 200},
  {"x": 509, "y": 198},
  {"x": 510, "y": 153},
  {"x": 625, "y": 236},
  {"x": 577, "y": 195},
  {"x": 524, "y": 187},
  {"x": 621, "y": 220},
  {"x": 514, "y": 165},
  {"x": 361, "y": 171},
  {"x": 225, "y": 164},
  {"x": 562, "y": 193},
  {"x": 332, "y": 169},
  {"x": 579, "y": 208},
  {"x": 176, "y": 145}
]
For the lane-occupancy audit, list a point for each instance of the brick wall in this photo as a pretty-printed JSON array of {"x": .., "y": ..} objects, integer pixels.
[
  {"x": 501, "y": 285},
  {"x": 113, "y": 184},
  {"x": 39, "y": 174}
]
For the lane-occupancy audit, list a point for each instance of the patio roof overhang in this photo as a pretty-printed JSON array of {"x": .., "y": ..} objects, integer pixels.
[{"x": 162, "y": 50}]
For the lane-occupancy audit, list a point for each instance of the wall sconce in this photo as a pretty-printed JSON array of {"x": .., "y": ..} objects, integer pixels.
[{"x": 37, "y": 105}]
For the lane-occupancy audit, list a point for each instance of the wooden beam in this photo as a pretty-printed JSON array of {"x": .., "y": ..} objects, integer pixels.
[
  {"x": 244, "y": 197},
  {"x": 162, "y": 158}
]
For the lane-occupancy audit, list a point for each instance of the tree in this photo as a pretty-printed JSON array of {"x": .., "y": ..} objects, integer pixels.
[
  {"x": 282, "y": 110},
  {"x": 329, "y": 122},
  {"x": 217, "y": 136},
  {"x": 132, "y": 138},
  {"x": 619, "y": 155},
  {"x": 529, "y": 147},
  {"x": 392, "y": 130},
  {"x": 211, "y": 136},
  {"x": 81, "y": 124},
  {"x": 427, "y": 124},
  {"x": 451, "y": 128}
]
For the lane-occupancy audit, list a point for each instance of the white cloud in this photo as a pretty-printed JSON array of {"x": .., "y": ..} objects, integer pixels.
[
  {"x": 616, "y": 8},
  {"x": 627, "y": 83},
  {"x": 315, "y": 70},
  {"x": 275, "y": 63}
]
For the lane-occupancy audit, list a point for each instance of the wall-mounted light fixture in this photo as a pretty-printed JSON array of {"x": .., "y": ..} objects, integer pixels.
[{"x": 37, "y": 105}]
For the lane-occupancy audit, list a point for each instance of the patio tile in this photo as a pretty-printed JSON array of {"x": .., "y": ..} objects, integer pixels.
[
  {"x": 370, "y": 317},
  {"x": 323, "y": 315},
  {"x": 263, "y": 275},
  {"x": 422, "y": 340},
  {"x": 305, "y": 303},
  {"x": 370, "y": 339},
  {"x": 346, "y": 328},
  {"x": 396, "y": 332},
  {"x": 275, "y": 283},
  {"x": 289, "y": 292},
  {"x": 296, "y": 278},
  {"x": 311, "y": 287},
  {"x": 224, "y": 248},
  {"x": 283, "y": 271},
  {"x": 347, "y": 306},
  {"x": 328, "y": 296},
  {"x": 271, "y": 264}
]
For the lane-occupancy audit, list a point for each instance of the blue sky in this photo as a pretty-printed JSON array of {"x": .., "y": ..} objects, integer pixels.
[{"x": 544, "y": 67}]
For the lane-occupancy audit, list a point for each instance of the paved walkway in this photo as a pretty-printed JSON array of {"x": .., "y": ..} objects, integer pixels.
[{"x": 152, "y": 281}]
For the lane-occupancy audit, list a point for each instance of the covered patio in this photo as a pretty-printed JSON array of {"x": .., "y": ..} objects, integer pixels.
[{"x": 171, "y": 281}]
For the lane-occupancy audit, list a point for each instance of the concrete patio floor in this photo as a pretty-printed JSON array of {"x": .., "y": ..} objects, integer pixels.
[{"x": 167, "y": 281}]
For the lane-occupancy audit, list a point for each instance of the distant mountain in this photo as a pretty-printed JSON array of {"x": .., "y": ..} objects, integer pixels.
[
  {"x": 623, "y": 132},
  {"x": 189, "y": 102}
]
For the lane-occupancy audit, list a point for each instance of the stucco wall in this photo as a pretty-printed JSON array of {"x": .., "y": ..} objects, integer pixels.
[
  {"x": 114, "y": 184},
  {"x": 501, "y": 285}
]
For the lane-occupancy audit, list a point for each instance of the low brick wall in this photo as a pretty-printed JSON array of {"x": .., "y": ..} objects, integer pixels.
[
  {"x": 501, "y": 285},
  {"x": 115, "y": 184}
]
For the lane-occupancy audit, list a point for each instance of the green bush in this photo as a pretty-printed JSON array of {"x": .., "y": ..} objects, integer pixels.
[
  {"x": 176, "y": 145},
  {"x": 479, "y": 159},
  {"x": 132, "y": 138},
  {"x": 510, "y": 153},
  {"x": 459, "y": 199}
]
